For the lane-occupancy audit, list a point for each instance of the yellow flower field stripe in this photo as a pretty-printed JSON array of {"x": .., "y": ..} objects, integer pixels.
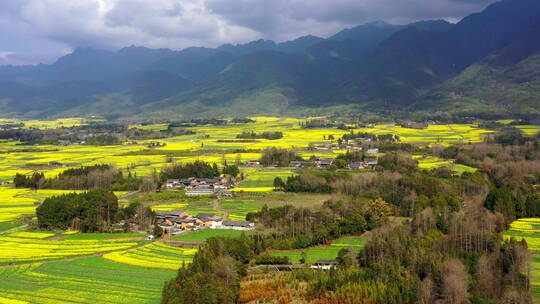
[
  {"x": 169, "y": 207},
  {"x": 155, "y": 255},
  {"x": 15, "y": 249},
  {"x": 31, "y": 235},
  {"x": 254, "y": 189},
  {"x": 11, "y": 301}
]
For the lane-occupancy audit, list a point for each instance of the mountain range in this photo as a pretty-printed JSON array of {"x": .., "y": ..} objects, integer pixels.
[{"x": 489, "y": 62}]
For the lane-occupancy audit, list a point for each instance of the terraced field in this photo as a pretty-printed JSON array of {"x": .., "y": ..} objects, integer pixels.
[
  {"x": 28, "y": 247},
  {"x": 85, "y": 268},
  {"x": 86, "y": 280},
  {"x": 529, "y": 229},
  {"x": 155, "y": 255}
]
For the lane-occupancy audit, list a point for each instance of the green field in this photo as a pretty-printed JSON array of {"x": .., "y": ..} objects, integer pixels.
[
  {"x": 86, "y": 280},
  {"x": 258, "y": 180},
  {"x": 323, "y": 252},
  {"x": 203, "y": 235},
  {"x": 238, "y": 209},
  {"x": 432, "y": 162}
]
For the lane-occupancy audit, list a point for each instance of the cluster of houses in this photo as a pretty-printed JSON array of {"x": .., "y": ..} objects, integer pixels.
[
  {"x": 369, "y": 162},
  {"x": 200, "y": 186},
  {"x": 338, "y": 147},
  {"x": 177, "y": 221},
  {"x": 321, "y": 163}
]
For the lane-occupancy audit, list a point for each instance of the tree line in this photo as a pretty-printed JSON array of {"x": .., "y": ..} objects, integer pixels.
[{"x": 83, "y": 178}]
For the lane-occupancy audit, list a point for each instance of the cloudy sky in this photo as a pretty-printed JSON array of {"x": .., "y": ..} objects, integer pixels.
[{"x": 39, "y": 31}]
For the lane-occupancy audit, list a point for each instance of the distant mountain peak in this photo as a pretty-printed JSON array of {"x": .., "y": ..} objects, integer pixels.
[{"x": 378, "y": 23}]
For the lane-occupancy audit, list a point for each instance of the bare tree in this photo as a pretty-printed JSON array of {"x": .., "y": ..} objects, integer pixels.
[
  {"x": 455, "y": 284},
  {"x": 426, "y": 292}
]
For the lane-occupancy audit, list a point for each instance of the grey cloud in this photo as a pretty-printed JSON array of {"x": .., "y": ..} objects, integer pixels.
[{"x": 54, "y": 26}]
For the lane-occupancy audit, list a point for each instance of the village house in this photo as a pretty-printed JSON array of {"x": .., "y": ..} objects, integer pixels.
[
  {"x": 322, "y": 148},
  {"x": 324, "y": 264},
  {"x": 208, "y": 220},
  {"x": 236, "y": 225},
  {"x": 325, "y": 162},
  {"x": 295, "y": 164},
  {"x": 356, "y": 166},
  {"x": 254, "y": 162},
  {"x": 301, "y": 164},
  {"x": 186, "y": 224},
  {"x": 372, "y": 151},
  {"x": 161, "y": 215},
  {"x": 371, "y": 161},
  {"x": 202, "y": 190},
  {"x": 193, "y": 183},
  {"x": 177, "y": 224},
  {"x": 173, "y": 184}
]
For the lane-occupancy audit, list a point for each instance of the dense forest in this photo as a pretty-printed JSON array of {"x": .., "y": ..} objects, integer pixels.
[
  {"x": 92, "y": 211},
  {"x": 199, "y": 169}
]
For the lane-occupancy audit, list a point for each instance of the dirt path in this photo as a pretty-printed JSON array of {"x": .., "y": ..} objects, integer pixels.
[
  {"x": 129, "y": 194},
  {"x": 217, "y": 207},
  {"x": 14, "y": 228}
]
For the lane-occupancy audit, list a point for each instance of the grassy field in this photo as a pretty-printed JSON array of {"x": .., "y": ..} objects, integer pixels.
[
  {"x": 322, "y": 252},
  {"x": 203, "y": 235},
  {"x": 238, "y": 209},
  {"x": 262, "y": 179}
]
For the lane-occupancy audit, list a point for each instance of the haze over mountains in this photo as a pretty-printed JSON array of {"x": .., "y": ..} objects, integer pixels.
[{"x": 488, "y": 62}]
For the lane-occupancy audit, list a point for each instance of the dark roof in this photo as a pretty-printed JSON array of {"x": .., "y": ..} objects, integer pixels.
[
  {"x": 205, "y": 216},
  {"x": 203, "y": 187},
  {"x": 181, "y": 220},
  {"x": 355, "y": 165},
  {"x": 326, "y": 161},
  {"x": 327, "y": 262},
  {"x": 169, "y": 213},
  {"x": 237, "y": 223},
  {"x": 370, "y": 160},
  {"x": 188, "y": 220}
]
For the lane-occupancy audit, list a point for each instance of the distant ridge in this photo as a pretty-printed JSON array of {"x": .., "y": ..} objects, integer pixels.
[{"x": 375, "y": 66}]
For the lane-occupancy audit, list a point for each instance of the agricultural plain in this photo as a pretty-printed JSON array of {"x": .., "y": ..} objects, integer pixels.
[{"x": 69, "y": 267}]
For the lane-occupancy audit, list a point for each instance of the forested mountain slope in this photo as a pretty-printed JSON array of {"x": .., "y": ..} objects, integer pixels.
[{"x": 376, "y": 66}]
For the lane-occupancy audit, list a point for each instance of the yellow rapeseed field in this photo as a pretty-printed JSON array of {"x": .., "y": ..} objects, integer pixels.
[{"x": 154, "y": 255}]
